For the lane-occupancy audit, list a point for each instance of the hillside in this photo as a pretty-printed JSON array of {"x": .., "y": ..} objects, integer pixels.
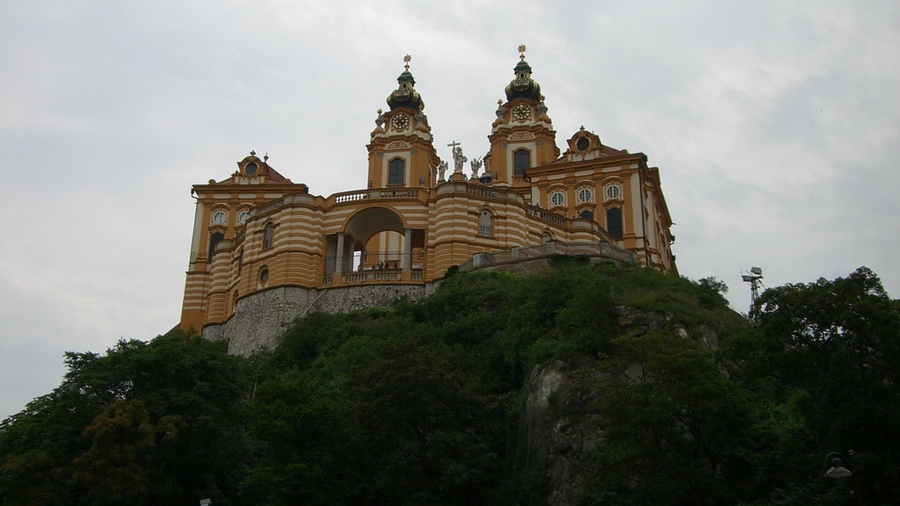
[{"x": 584, "y": 385}]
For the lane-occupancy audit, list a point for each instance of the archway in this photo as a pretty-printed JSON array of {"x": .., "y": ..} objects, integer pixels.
[{"x": 375, "y": 238}]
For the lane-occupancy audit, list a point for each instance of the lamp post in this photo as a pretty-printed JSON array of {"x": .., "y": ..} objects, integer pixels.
[{"x": 838, "y": 471}]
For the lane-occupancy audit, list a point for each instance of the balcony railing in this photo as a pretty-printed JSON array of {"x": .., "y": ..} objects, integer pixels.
[
  {"x": 381, "y": 193},
  {"x": 547, "y": 215}
]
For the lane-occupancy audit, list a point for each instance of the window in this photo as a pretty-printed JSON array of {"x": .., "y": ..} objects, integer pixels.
[
  {"x": 585, "y": 195},
  {"x": 521, "y": 161},
  {"x": 264, "y": 275},
  {"x": 557, "y": 198},
  {"x": 486, "y": 224},
  {"x": 613, "y": 191},
  {"x": 395, "y": 171},
  {"x": 269, "y": 235},
  {"x": 614, "y": 222},
  {"x": 213, "y": 241},
  {"x": 588, "y": 215}
]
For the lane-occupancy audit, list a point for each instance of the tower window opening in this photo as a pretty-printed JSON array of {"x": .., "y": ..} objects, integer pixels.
[
  {"x": 395, "y": 171},
  {"x": 614, "y": 222},
  {"x": 521, "y": 161}
]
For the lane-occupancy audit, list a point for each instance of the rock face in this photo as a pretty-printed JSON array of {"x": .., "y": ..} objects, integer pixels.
[
  {"x": 552, "y": 438},
  {"x": 555, "y": 429}
]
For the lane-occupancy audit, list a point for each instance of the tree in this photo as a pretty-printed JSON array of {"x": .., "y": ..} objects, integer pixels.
[
  {"x": 828, "y": 354},
  {"x": 416, "y": 433},
  {"x": 146, "y": 423},
  {"x": 669, "y": 420}
]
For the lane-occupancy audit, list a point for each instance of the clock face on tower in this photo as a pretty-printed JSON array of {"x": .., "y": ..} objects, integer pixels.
[
  {"x": 521, "y": 112},
  {"x": 400, "y": 122}
]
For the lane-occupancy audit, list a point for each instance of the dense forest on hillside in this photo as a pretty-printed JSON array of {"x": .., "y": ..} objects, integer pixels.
[{"x": 422, "y": 403}]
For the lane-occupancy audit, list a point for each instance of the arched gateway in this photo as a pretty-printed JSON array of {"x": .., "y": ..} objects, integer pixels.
[{"x": 265, "y": 251}]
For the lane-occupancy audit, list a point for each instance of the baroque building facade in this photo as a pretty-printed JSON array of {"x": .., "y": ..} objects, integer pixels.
[{"x": 265, "y": 250}]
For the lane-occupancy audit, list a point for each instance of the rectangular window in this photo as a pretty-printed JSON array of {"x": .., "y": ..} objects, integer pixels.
[
  {"x": 486, "y": 224},
  {"x": 395, "y": 171},
  {"x": 614, "y": 222},
  {"x": 521, "y": 161}
]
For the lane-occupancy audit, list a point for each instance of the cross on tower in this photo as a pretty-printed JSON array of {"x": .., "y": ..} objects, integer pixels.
[{"x": 458, "y": 158}]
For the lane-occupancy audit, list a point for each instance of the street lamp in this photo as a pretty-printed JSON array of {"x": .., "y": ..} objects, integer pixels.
[{"x": 837, "y": 470}]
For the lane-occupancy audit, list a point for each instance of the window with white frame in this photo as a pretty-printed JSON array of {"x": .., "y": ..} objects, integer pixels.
[
  {"x": 557, "y": 198},
  {"x": 585, "y": 194},
  {"x": 521, "y": 161},
  {"x": 613, "y": 191},
  {"x": 395, "y": 171}
]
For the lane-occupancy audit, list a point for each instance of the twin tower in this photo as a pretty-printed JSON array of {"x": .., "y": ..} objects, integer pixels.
[{"x": 266, "y": 251}]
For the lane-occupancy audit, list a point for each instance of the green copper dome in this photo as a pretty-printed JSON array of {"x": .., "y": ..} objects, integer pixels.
[
  {"x": 406, "y": 95},
  {"x": 523, "y": 86}
]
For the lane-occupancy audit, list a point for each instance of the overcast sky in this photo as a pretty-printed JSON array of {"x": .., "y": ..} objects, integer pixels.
[{"x": 774, "y": 125}]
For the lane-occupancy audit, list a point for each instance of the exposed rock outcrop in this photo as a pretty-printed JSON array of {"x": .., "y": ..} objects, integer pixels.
[{"x": 557, "y": 426}]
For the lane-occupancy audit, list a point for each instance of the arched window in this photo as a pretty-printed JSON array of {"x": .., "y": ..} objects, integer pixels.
[
  {"x": 588, "y": 215},
  {"x": 395, "y": 171},
  {"x": 213, "y": 241},
  {"x": 269, "y": 235},
  {"x": 614, "y": 222},
  {"x": 486, "y": 224},
  {"x": 521, "y": 161}
]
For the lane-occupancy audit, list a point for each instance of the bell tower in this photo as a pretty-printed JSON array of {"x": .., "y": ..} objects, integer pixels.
[
  {"x": 522, "y": 136},
  {"x": 401, "y": 150}
]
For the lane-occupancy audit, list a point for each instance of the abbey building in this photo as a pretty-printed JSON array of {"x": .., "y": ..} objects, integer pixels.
[{"x": 265, "y": 250}]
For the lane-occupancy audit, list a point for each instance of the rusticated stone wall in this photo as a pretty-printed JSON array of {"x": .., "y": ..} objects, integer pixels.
[{"x": 262, "y": 317}]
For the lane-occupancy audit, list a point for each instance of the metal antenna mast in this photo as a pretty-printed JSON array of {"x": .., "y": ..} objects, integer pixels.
[{"x": 753, "y": 278}]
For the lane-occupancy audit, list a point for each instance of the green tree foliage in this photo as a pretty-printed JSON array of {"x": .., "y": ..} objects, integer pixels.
[
  {"x": 418, "y": 404},
  {"x": 669, "y": 419},
  {"x": 823, "y": 368},
  {"x": 146, "y": 423},
  {"x": 421, "y": 403}
]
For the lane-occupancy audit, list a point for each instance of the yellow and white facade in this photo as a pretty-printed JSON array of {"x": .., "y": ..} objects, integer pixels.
[{"x": 265, "y": 249}]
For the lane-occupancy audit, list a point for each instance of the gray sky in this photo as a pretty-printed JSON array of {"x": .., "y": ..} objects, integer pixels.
[{"x": 774, "y": 125}]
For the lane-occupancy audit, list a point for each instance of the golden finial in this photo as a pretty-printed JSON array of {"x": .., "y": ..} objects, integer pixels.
[
  {"x": 521, "y": 51},
  {"x": 406, "y": 59},
  {"x": 499, "y": 101}
]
